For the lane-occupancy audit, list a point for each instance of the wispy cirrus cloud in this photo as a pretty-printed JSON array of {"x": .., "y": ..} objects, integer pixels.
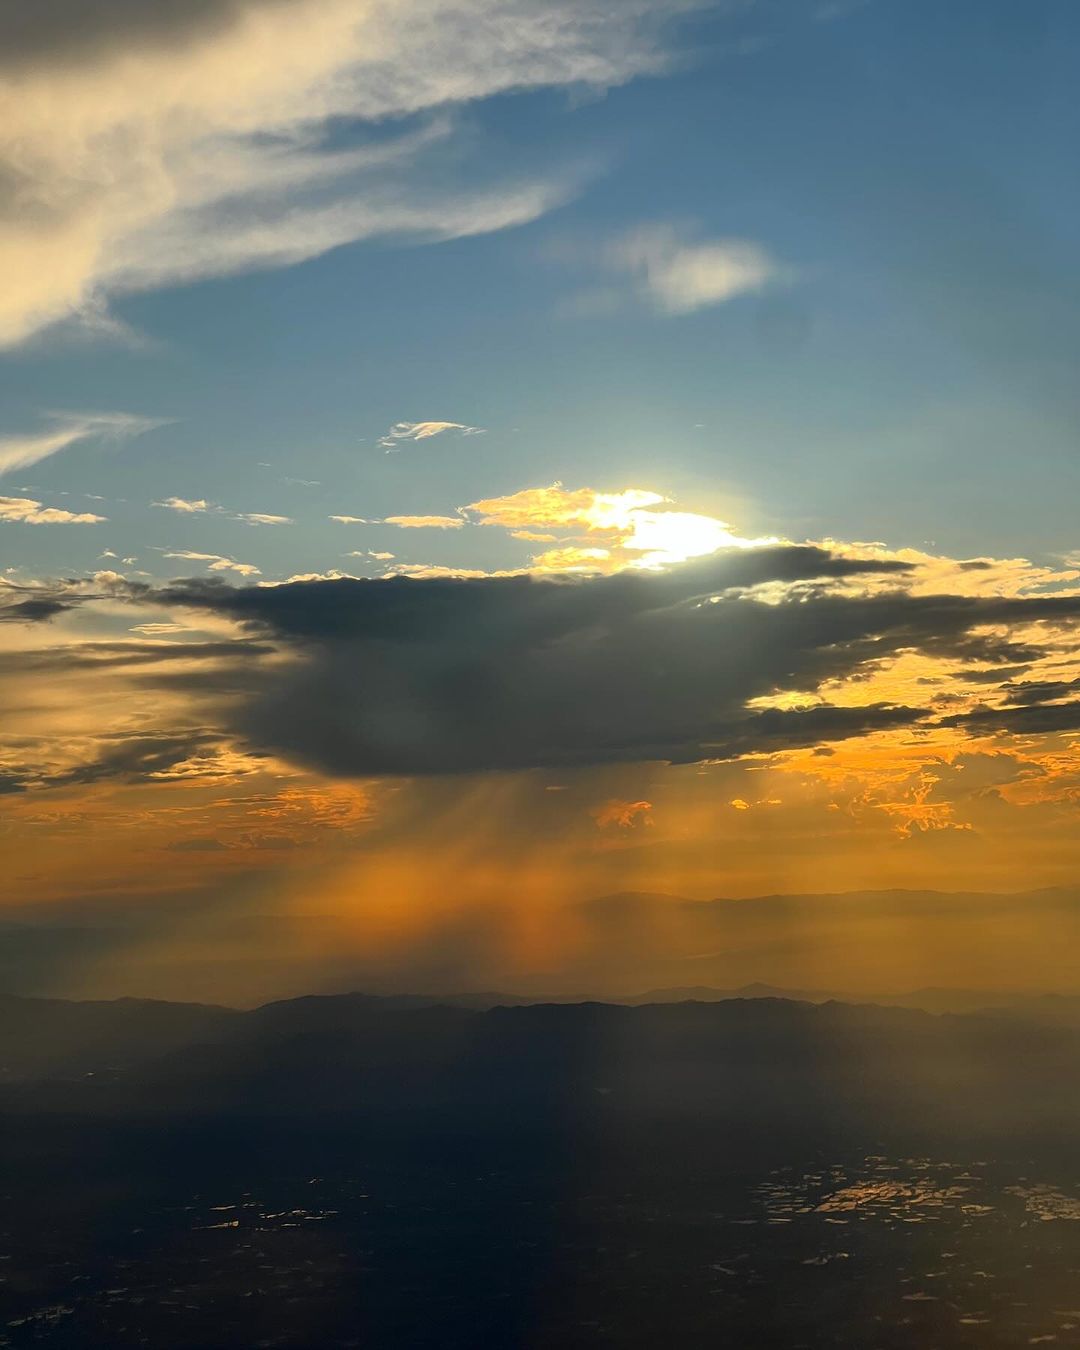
[
  {"x": 216, "y": 562},
  {"x": 200, "y": 506},
  {"x": 157, "y": 144},
  {"x": 423, "y": 431},
  {"x": 68, "y": 429},
  {"x": 405, "y": 522},
  {"x": 261, "y": 518}
]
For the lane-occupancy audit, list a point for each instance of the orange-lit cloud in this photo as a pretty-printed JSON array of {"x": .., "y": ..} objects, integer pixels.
[
  {"x": 425, "y": 522},
  {"x": 604, "y": 531},
  {"x": 29, "y": 512},
  {"x": 625, "y": 815}
]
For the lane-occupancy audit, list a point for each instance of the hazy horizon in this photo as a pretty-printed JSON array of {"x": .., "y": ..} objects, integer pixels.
[{"x": 606, "y": 947}]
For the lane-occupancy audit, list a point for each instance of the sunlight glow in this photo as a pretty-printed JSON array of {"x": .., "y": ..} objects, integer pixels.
[{"x": 666, "y": 537}]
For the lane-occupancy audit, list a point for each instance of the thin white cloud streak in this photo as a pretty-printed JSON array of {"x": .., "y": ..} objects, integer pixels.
[
  {"x": 406, "y": 522},
  {"x": 423, "y": 431},
  {"x": 68, "y": 429},
  {"x": 198, "y": 246},
  {"x": 216, "y": 562},
  {"x": 200, "y": 506},
  {"x": 191, "y": 148}
]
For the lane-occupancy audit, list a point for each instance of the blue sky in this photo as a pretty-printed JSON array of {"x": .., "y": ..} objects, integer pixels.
[{"x": 906, "y": 374}]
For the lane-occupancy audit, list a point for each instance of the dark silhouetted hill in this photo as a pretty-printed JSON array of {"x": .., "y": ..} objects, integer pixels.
[{"x": 741, "y": 1065}]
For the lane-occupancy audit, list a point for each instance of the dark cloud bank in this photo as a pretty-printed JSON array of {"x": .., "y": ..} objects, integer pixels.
[
  {"x": 408, "y": 676},
  {"x": 431, "y": 676}
]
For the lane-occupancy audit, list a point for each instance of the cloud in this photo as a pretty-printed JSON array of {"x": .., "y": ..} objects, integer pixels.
[
  {"x": 186, "y": 507},
  {"x": 153, "y": 757},
  {"x": 143, "y": 145},
  {"x": 375, "y": 555},
  {"x": 52, "y": 32},
  {"x": 406, "y": 522},
  {"x": 668, "y": 270},
  {"x": 140, "y": 759},
  {"x": 216, "y": 561},
  {"x": 624, "y": 815},
  {"x": 261, "y": 518},
  {"x": 556, "y": 505},
  {"x": 30, "y": 512},
  {"x": 607, "y": 530},
  {"x": 82, "y": 711},
  {"x": 160, "y": 629},
  {"x": 200, "y": 506},
  {"x": 35, "y": 609},
  {"x": 424, "y": 522},
  {"x": 331, "y": 574},
  {"x": 232, "y": 657},
  {"x": 423, "y": 431},
  {"x": 1025, "y": 692},
  {"x": 452, "y": 674},
  {"x": 431, "y": 571},
  {"x": 68, "y": 429},
  {"x": 1037, "y": 719},
  {"x": 677, "y": 276}
]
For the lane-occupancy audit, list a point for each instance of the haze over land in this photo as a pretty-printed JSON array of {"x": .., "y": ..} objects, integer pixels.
[{"x": 862, "y": 944}]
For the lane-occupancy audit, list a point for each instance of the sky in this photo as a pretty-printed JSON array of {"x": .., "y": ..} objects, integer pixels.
[{"x": 464, "y": 459}]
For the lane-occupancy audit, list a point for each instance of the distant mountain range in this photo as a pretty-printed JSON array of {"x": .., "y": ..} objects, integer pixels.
[
  {"x": 816, "y": 946},
  {"x": 1041, "y": 1007},
  {"x": 562, "y": 1071},
  {"x": 687, "y": 1056}
]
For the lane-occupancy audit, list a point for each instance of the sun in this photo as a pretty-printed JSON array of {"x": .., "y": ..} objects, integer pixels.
[{"x": 667, "y": 537}]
